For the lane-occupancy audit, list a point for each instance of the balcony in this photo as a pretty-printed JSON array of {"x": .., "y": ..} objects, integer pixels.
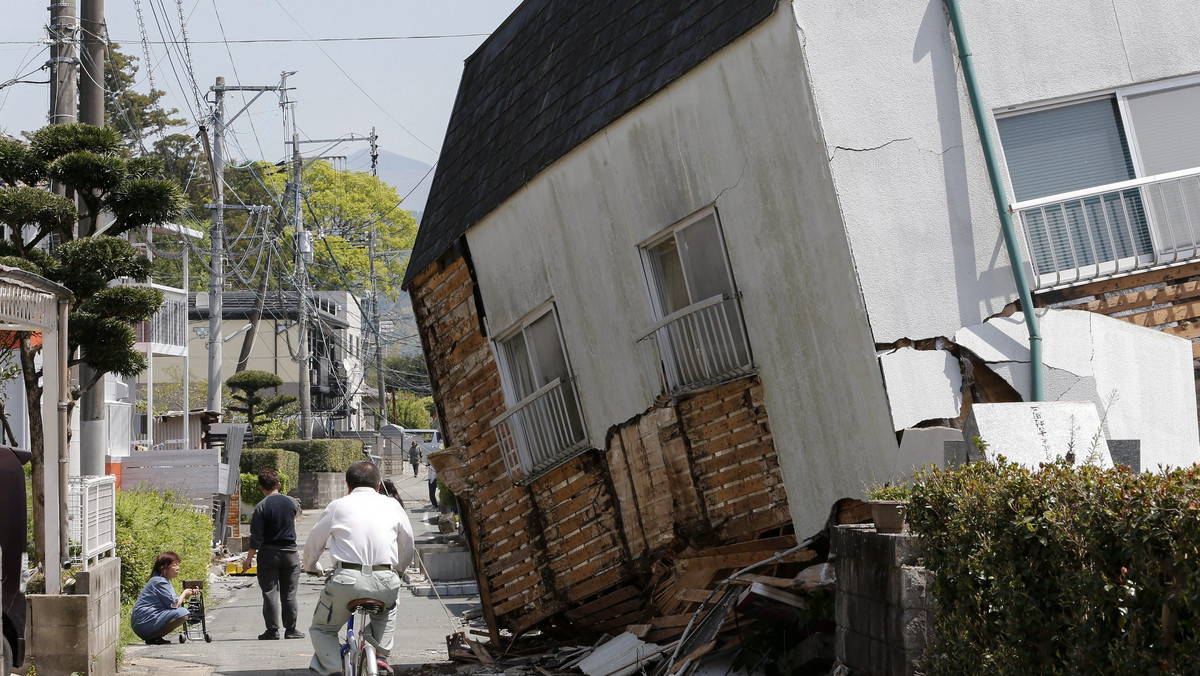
[
  {"x": 1113, "y": 229},
  {"x": 166, "y": 332},
  {"x": 701, "y": 345},
  {"x": 542, "y": 431}
]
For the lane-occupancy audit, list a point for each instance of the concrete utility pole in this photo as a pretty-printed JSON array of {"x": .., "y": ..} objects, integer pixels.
[
  {"x": 64, "y": 32},
  {"x": 216, "y": 279},
  {"x": 302, "y": 250},
  {"x": 382, "y": 385},
  {"x": 92, "y": 437}
]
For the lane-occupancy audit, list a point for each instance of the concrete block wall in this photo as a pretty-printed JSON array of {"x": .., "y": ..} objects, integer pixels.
[
  {"x": 883, "y": 605},
  {"x": 317, "y": 489},
  {"x": 78, "y": 632}
]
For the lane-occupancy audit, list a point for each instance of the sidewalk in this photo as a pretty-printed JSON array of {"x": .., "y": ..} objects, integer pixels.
[{"x": 234, "y": 617}]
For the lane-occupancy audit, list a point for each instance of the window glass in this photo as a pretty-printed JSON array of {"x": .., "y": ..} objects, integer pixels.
[
  {"x": 1066, "y": 148},
  {"x": 542, "y": 336},
  {"x": 1164, "y": 123},
  {"x": 520, "y": 371},
  {"x": 668, "y": 280},
  {"x": 703, "y": 259}
]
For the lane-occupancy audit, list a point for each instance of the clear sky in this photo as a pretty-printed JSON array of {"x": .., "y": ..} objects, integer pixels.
[{"x": 405, "y": 88}]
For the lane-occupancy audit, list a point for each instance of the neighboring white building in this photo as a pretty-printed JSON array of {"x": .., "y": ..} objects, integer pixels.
[{"x": 810, "y": 204}]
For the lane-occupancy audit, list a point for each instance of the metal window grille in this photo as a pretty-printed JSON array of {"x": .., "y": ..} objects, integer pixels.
[{"x": 541, "y": 432}]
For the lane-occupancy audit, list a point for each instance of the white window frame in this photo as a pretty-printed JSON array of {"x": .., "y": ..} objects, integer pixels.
[
  {"x": 664, "y": 350},
  {"x": 1121, "y": 96},
  {"x": 524, "y": 468}
]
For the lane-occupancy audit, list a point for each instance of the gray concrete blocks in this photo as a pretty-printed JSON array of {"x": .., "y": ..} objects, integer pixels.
[{"x": 882, "y": 603}]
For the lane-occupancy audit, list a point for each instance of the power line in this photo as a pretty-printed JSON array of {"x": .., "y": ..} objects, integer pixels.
[{"x": 253, "y": 41}]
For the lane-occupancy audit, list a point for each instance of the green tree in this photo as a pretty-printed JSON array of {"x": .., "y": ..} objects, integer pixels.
[
  {"x": 93, "y": 164},
  {"x": 411, "y": 411},
  {"x": 247, "y": 389},
  {"x": 407, "y": 372},
  {"x": 137, "y": 117}
]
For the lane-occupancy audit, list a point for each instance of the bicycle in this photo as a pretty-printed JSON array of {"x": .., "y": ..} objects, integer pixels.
[{"x": 358, "y": 655}]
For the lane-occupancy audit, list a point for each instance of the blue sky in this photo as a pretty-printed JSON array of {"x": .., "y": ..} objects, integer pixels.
[{"x": 404, "y": 88}]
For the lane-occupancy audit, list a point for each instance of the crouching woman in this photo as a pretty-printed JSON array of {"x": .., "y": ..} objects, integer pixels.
[{"x": 158, "y": 611}]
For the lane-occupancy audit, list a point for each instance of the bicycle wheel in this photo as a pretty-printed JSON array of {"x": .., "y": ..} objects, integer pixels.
[{"x": 367, "y": 664}]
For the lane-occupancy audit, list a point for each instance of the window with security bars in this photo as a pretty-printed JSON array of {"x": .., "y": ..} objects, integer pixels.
[
  {"x": 1107, "y": 184},
  {"x": 699, "y": 337}
]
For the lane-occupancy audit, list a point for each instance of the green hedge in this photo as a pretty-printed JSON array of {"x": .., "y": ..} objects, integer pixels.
[
  {"x": 149, "y": 523},
  {"x": 252, "y": 494},
  {"x": 324, "y": 455},
  {"x": 1062, "y": 570}
]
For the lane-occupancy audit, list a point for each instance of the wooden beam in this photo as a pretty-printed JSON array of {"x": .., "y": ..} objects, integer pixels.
[{"x": 1109, "y": 285}]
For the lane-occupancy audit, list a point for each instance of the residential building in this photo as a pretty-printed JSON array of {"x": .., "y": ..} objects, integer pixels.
[
  {"x": 336, "y": 349},
  {"x": 690, "y": 272}
]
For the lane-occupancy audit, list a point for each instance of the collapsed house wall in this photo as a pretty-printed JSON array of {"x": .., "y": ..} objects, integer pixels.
[{"x": 611, "y": 537}]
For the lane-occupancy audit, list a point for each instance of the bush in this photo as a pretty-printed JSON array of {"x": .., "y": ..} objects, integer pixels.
[
  {"x": 252, "y": 494},
  {"x": 286, "y": 463},
  {"x": 324, "y": 455},
  {"x": 1061, "y": 570},
  {"x": 149, "y": 523}
]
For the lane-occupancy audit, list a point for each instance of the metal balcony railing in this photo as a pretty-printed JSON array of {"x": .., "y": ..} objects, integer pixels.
[
  {"x": 701, "y": 345},
  {"x": 91, "y": 517},
  {"x": 542, "y": 431},
  {"x": 167, "y": 330},
  {"x": 1112, "y": 229}
]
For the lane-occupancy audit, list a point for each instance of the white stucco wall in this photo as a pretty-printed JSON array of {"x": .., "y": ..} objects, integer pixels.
[
  {"x": 737, "y": 132},
  {"x": 906, "y": 158},
  {"x": 1139, "y": 380}
]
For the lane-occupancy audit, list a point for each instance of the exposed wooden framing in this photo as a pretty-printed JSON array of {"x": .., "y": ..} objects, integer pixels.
[{"x": 1179, "y": 272}]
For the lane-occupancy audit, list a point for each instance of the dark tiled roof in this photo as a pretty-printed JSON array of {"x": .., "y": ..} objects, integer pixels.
[{"x": 555, "y": 73}]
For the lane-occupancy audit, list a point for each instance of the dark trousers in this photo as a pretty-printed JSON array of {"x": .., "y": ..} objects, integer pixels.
[
  {"x": 414, "y": 464},
  {"x": 433, "y": 493},
  {"x": 279, "y": 577}
]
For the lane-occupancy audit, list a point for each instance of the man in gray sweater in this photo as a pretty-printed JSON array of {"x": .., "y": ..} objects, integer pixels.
[{"x": 273, "y": 538}]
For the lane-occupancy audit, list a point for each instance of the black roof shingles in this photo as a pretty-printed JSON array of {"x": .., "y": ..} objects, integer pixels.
[{"x": 554, "y": 74}]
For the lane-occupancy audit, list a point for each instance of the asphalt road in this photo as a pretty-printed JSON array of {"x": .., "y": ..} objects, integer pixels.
[{"x": 233, "y": 613}]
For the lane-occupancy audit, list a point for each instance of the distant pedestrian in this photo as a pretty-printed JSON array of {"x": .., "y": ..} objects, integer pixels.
[
  {"x": 414, "y": 456},
  {"x": 273, "y": 538},
  {"x": 431, "y": 477}
]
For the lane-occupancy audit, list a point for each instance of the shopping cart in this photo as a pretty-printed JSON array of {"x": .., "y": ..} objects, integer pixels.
[{"x": 195, "y": 607}]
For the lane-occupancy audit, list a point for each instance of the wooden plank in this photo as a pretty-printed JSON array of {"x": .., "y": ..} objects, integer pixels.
[
  {"x": 746, "y": 559},
  {"x": 606, "y": 601},
  {"x": 610, "y": 578},
  {"x": 623, "y": 489},
  {"x": 731, "y": 473},
  {"x": 658, "y": 517},
  {"x": 1175, "y": 313},
  {"x": 684, "y": 494},
  {"x": 775, "y": 544},
  {"x": 1139, "y": 299},
  {"x": 679, "y": 621},
  {"x": 1178, "y": 272},
  {"x": 1188, "y": 331},
  {"x": 694, "y": 595}
]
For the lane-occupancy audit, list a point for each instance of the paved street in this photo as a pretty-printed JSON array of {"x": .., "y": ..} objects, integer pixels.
[{"x": 234, "y": 617}]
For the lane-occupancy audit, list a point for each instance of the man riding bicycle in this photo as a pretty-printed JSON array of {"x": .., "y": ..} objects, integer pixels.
[{"x": 371, "y": 542}]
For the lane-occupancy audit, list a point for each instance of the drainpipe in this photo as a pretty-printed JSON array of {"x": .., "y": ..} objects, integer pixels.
[
  {"x": 64, "y": 423},
  {"x": 1006, "y": 222}
]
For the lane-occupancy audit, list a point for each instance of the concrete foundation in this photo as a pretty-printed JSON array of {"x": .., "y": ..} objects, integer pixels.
[{"x": 318, "y": 489}]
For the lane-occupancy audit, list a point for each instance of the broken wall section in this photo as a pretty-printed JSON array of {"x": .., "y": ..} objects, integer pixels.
[{"x": 1140, "y": 381}]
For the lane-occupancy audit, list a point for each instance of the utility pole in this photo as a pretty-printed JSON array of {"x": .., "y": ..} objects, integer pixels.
[
  {"x": 64, "y": 30},
  {"x": 302, "y": 250},
  {"x": 382, "y": 384},
  {"x": 216, "y": 279},
  {"x": 92, "y": 436}
]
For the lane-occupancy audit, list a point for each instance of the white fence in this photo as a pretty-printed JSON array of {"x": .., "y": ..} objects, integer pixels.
[
  {"x": 91, "y": 517},
  {"x": 197, "y": 475}
]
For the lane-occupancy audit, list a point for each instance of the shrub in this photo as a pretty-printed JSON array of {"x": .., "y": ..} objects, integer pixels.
[
  {"x": 1060, "y": 570},
  {"x": 286, "y": 462},
  {"x": 149, "y": 523},
  {"x": 324, "y": 455},
  {"x": 252, "y": 494}
]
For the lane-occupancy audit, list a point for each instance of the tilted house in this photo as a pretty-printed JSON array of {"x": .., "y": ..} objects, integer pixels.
[{"x": 692, "y": 271}]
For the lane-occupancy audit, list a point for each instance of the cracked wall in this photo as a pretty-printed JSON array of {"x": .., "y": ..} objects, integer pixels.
[{"x": 1138, "y": 381}]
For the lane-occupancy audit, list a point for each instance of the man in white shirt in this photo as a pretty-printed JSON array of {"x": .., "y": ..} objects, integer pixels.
[{"x": 371, "y": 542}]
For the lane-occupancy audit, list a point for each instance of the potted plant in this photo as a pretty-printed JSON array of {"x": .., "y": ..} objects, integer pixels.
[{"x": 889, "y": 505}]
